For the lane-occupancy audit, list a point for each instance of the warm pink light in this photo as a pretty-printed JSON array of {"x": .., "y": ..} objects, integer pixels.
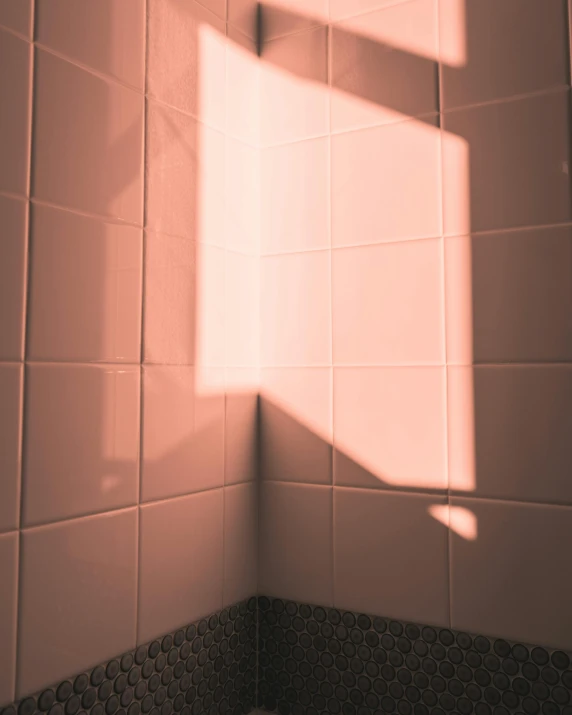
[{"x": 459, "y": 519}]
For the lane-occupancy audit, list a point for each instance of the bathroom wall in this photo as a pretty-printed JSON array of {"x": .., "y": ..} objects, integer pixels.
[
  {"x": 128, "y": 364},
  {"x": 416, "y": 386}
]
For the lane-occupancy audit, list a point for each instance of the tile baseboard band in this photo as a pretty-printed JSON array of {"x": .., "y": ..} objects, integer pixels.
[
  {"x": 208, "y": 667},
  {"x": 273, "y": 655},
  {"x": 315, "y": 660}
]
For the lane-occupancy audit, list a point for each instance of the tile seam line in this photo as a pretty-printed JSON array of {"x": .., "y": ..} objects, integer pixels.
[
  {"x": 104, "y": 76},
  {"x": 103, "y": 218},
  {"x": 25, "y": 347},
  {"x": 429, "y": 493},
  {"x": 128, "y": 507}
]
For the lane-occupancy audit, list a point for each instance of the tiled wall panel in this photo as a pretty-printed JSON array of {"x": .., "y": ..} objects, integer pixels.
[{"x": 116, "y": 363}]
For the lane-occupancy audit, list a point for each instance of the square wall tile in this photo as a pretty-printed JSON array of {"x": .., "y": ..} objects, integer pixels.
[
  {"x": 513, "y": 579},
  {"x": 13, "y": 252},
  {"x": 482, "y": 43},
  {"x": 378, "y": 176},
  {"x": 242, "y": 320},
  {"x": 186, "y": 58},
  {"x": 295, "y": 542},
  {"x": 384, "y": 65},
  {"x": 296, "y": 425},
  {"x": 242, "y": 205},
  {"x": 11, "y": 419},
  {"x": 169, "y": 299},
  {"x": 78, "y": 596},
  {"x": 387, "y": 304},
  {"x": 240, "y": 542},
  {"x": 391, "y": 555},
  {"x": 183, "y": 434},
  {"x": 242, "y": 88},
  {"x": 184, "y": 176},
  {"x": 509, "y": 297},
  {"x": 85, "y": 289},
  {"x": 509, "y": 432},
  {"x": 507, "y": 165},
  {"x": 114, "y": 43},
  {"x": 81, "y": 120},
  {"x": 379, "y": 413},
  {"x": 296, "y": 309},
  {"x": 294, "y": 91},
  {"x": 181, "y": 562},
  {"x": 17, "y": 15},
  {"x": 8, "y": 614},
  {"x": 15, "y": 110},
  {"x": 241, "y": 425},
  {"x": 81, "y": 449},
  {"x": 295, "y": 197}
]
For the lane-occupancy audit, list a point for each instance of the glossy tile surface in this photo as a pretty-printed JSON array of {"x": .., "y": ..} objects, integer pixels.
[
  {"x": 295, "y": 312},
  {"x": 242, "y": 200},
  {"x": 184, "y": 176},
  {"x": 377, "y": 176},
  {"x": 181, "y": 562},
  {"x": 17, "y": 15},
  {"x": 13, "y": 240},
  {"x": 387, "y": 304},
  {"x": 296, "y": 562},
  {"x": 114, "y": 45},
  {"x": 294, "y": 202},
  {"x": 495, "y": 173},
  {"x": 371, "y": 574},
  {"x": 378, "y": 414},
  {"x": 384, "y": 65},
  {"x": 183, "y": 434},
  {"x": 520, "y": 291},
  {"x": 243, "y": 106},
  {"x": 78, "y": 596},
  {"x": 508, "y": 432},
  {"x": 186, "y": 58},
  {"x": 85, "y": 289},
  {"x": 294, "y": 98},
  {"x": 494, "y": 35},
  {"x": 241, "y": 426},
  {"x": 242, "y": 309},
  {"x": 240, "y": 542},
  {"x": 169, "y": 299},
  {"x": 15, "y": 82},
  {"x": 84, "y": 120},
  {"x": 8, "y": 614},
  {"x": 296, "y": 425},
  {"x": 491, "y": 586},
  {"x": 11, "y": 419},
  {"x": 81, "y": 448}
]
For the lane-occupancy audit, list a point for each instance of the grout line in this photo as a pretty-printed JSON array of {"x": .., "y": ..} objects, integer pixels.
[
  {"x": 24, "y": 385},
  {"x": 568, "y": 38},
  {"x": 329, "y": 49},
  {"x": 360, "y": 15},
  {"x": 387, "y": 490},
  {"x": 321, "y": 366},
  {"x": 556, "y": 89},
  {"x": 443, "y": 308},
  {"x": 15, "y": 33},
  {"x": 115, "y": 220},
  {"x": 142, "y": 326}
]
